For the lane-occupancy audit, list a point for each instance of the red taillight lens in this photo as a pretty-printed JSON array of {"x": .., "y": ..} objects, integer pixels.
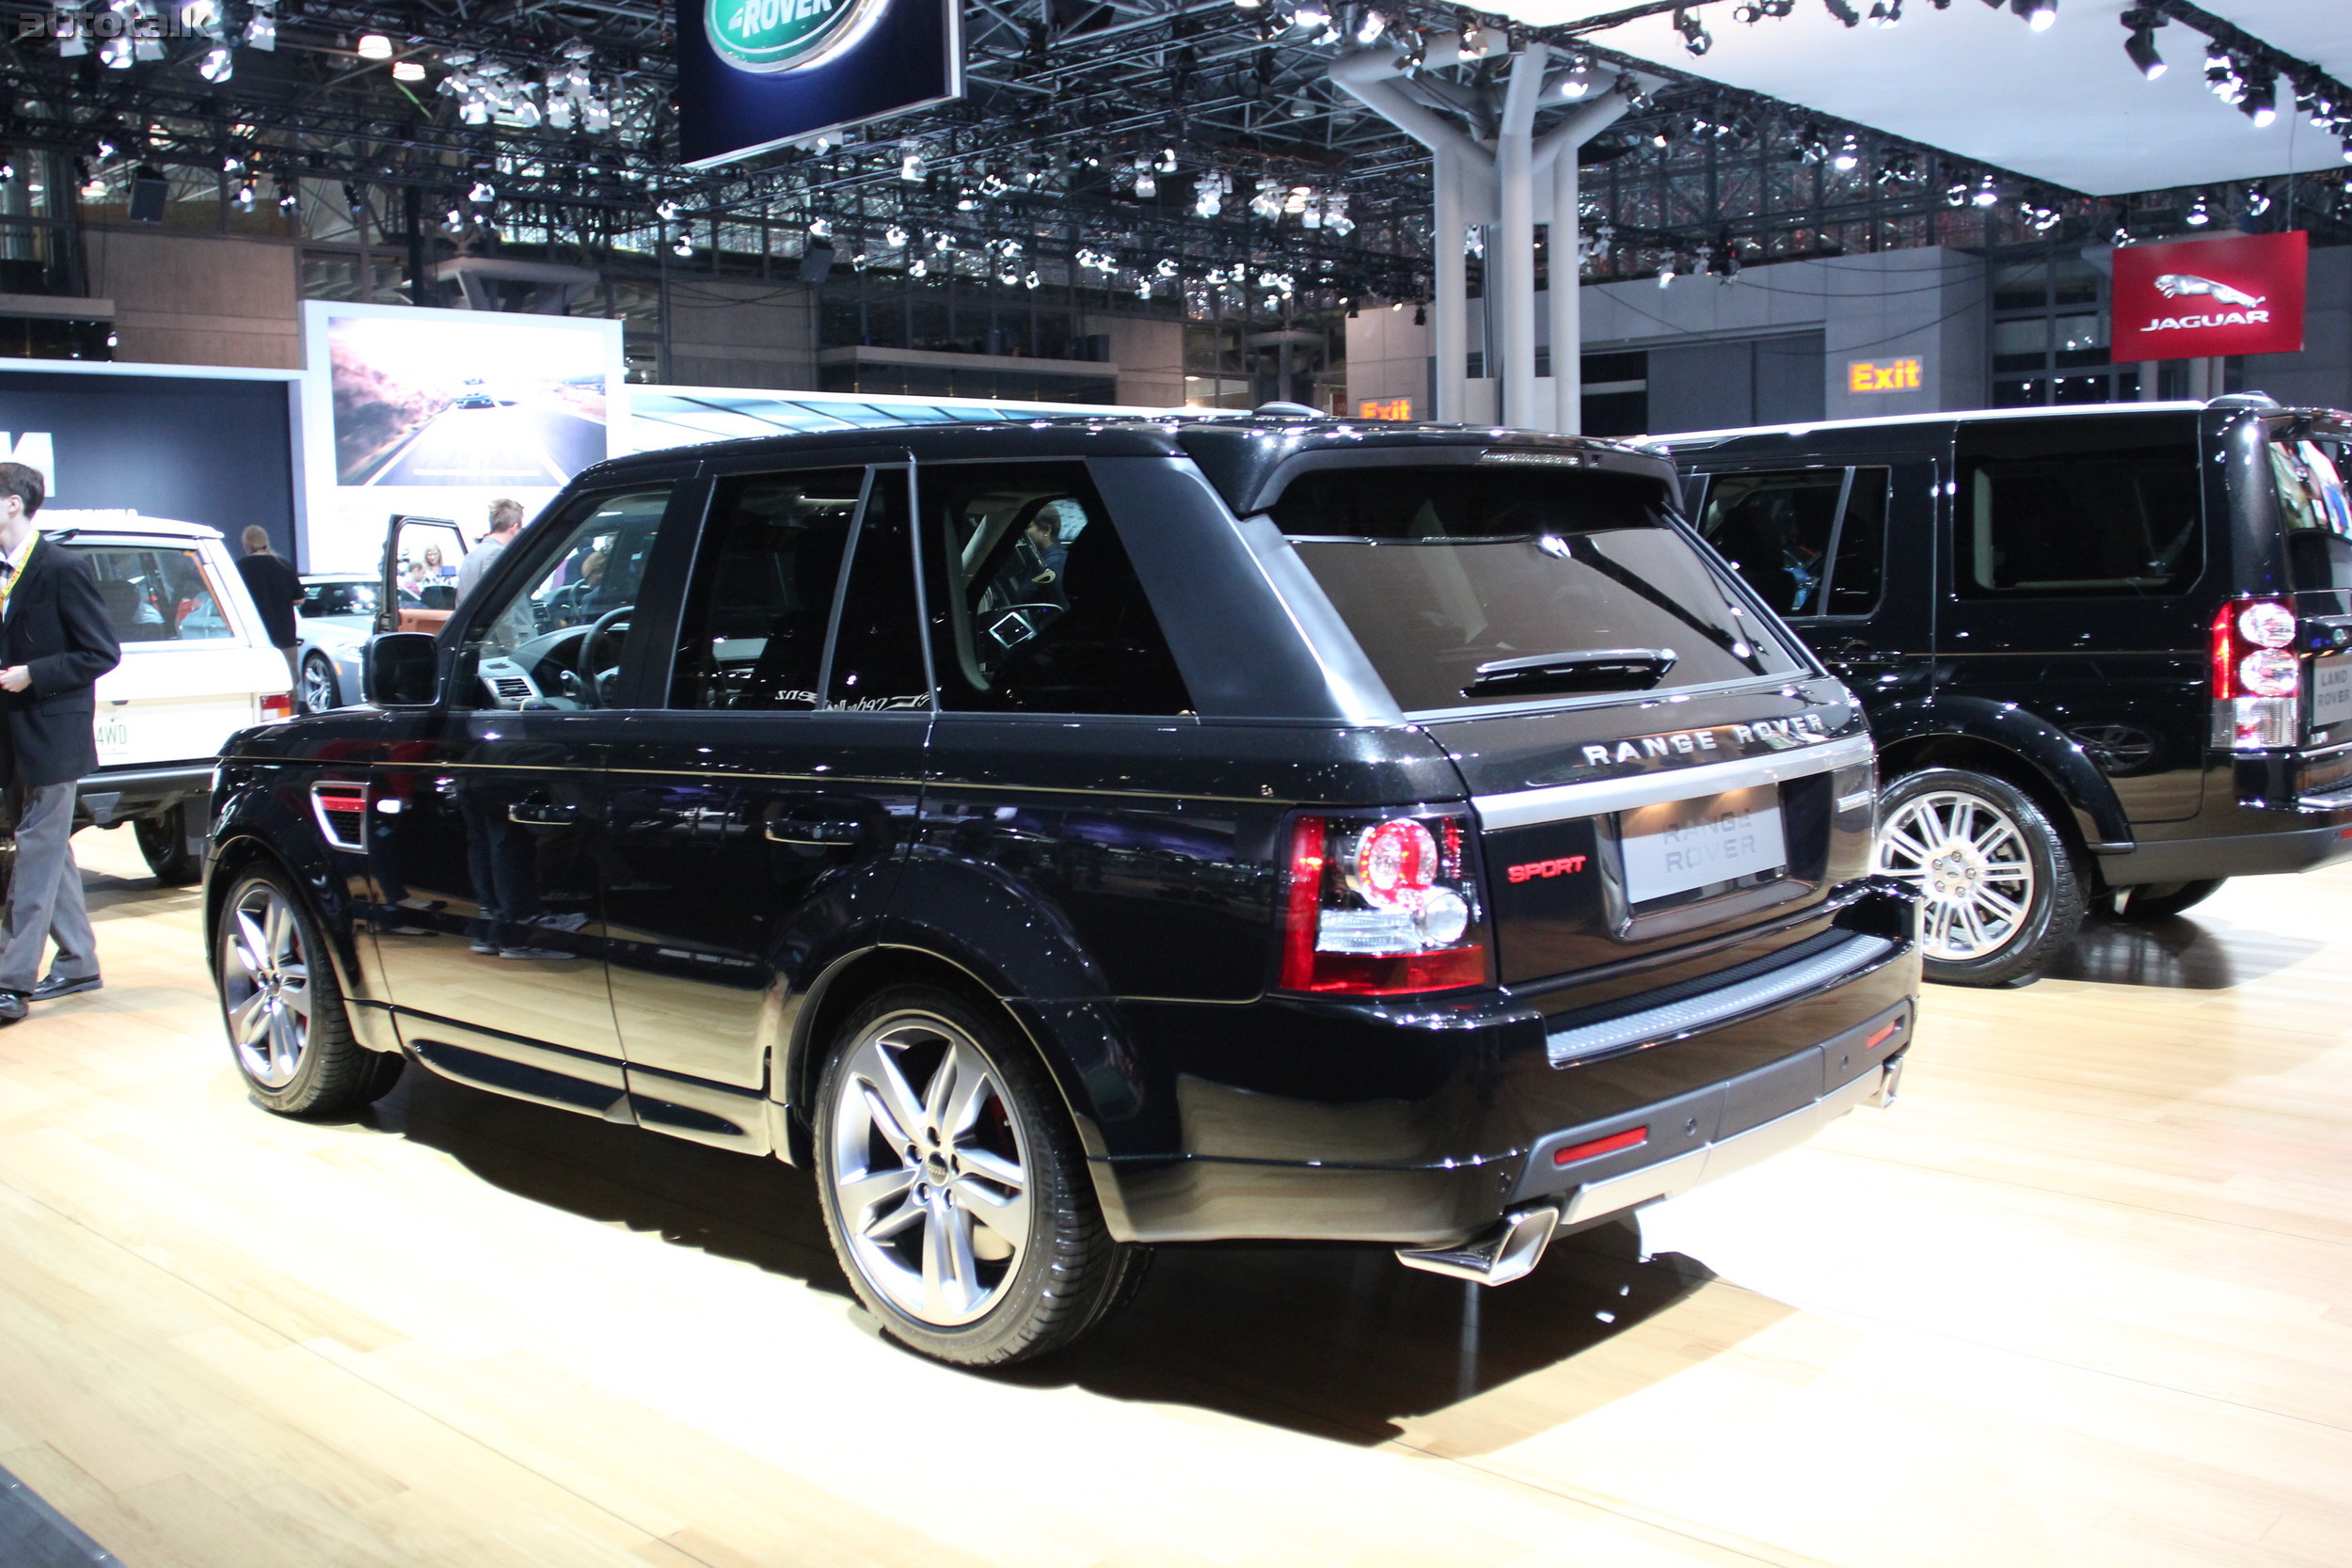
[
  {"x": 278, "y": 705},
  {"x": 2256, "y": 676},
  {"x": 1380, "y": 908}
]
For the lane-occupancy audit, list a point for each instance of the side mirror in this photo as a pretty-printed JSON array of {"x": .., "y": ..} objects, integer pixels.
[{"x": 401, "y": 668}]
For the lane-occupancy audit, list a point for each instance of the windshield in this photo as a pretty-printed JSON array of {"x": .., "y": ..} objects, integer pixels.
[
  {"x": 1470, "y": 586},
  {"x": 155, "y": 593}
]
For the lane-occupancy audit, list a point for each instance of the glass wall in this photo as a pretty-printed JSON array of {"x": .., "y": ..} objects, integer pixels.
[{"x": 2050, "y": 332}]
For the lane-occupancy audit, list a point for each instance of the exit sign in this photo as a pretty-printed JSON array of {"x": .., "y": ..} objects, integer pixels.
[
  {"x": 1883, "y": 375},
  {"x": 1385, "y": 408}
]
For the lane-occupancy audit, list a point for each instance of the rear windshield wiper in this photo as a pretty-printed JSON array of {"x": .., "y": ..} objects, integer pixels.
[{"x": 1578, "y": 670}]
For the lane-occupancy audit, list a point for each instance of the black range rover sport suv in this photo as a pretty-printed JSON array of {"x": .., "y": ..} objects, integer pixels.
[{"x": 1071, "y": 837}]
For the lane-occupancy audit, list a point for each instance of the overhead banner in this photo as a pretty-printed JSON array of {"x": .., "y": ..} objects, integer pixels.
[
  {"x": 440, "y": 412},
  {"x": 756, "y": 74},
  {"x": 2196, "y": 299}
]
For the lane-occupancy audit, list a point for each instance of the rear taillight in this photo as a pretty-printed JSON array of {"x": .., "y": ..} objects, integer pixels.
[
  {"x": 276, "y": 705},
  {"x": 1381, "y": 907},
  {"x": 2256, "y": 677}
]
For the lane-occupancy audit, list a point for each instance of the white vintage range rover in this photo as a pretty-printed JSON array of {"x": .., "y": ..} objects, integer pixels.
[{"x": 197, "y": 667}]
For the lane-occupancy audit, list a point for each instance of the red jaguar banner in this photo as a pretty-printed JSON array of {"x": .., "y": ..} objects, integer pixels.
[{"x": 2239, "y": 293}]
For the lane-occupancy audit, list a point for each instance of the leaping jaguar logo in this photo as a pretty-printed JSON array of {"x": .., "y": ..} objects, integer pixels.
[{"x": 2174, "y": 284}]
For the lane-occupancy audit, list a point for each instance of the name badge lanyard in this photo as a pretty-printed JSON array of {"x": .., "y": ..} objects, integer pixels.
[{"x": 8, "y": 589}]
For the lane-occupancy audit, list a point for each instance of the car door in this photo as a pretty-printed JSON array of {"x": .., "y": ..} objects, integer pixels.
[
  {"x": 416, "y": 579},
  {"x": 760, "y": 813},
  {"x": 1843, "y": 550},
  {"x": 2072, "y": 547},
  {"x": 485, "y": 829}
]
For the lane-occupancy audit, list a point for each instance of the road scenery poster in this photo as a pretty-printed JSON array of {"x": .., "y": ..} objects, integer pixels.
[{"x": 440, "y": 412}]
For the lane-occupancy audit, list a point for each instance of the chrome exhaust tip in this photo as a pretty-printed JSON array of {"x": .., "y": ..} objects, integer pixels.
[{"x": 1508, "y": 1251}]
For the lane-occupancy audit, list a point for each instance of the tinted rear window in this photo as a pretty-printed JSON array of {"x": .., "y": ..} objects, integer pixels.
[
  {"x": 155, "y": 593},
  {"x": 1470, "y": 586}
]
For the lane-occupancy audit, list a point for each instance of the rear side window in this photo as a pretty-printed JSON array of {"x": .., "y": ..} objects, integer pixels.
[
  {"x": 155, "y": 593},
  {"x": 2100, "y": 518},
  {"x": 1467, "y": 586},
  {"x": 2308, "y": 477},
  {"x": 1810, "y": 541},
  {"x": 1035, "y": 607}
]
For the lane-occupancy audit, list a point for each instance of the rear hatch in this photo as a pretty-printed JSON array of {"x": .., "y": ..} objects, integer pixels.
[{"x": 1658, "y": 768}]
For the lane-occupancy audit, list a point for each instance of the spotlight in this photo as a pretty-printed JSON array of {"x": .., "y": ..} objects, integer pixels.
[
  {"x": 2038, "y": 14},
  {"x": 820, "y": 228},
  {"x": 894, "y": 237},
  {"x": 482, "y": 195},
  {"x": 684, "y": 245},
  {"x": 2347, "y": 150},
  {"x": 217, "y": 65},
  {"x": 287, "y": 200},
  {"x": 1311, "y": 17},
  {"x": 910, "y": 163},
  {"x": 245, "y": 194},
  {"x": 1032, "y": 281},
  {"x": 2199, "y": 212},
  {"x": 1988, "y": 193},
  {"x": 1887, "y": 13},
  {"x": 1476, "y": 41},
  {"x": 1665, "y": 272},
  {"x": 407, "y": 70},
  {"x": 1849, "y": 155},
  {"x": 1369, "y": 26},
  {"x": 453, "y": 218},
  {"x": 2257, "y": 200},
  {"x": 1695, "y": 34},
  {"x": 1956, "y": 194},
  {"x": 375, "y": 46},
  {"x": 2142, "y": 46},
  {"x": 353, "y": 203},
  {"x": 1578, "y": 82},
  {"x": 2261, "y": 101}
]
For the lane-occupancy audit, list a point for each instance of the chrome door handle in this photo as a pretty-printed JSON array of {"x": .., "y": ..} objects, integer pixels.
[
  {"x": 541, "y": 814},
  {"x": 803, "y": 829}
]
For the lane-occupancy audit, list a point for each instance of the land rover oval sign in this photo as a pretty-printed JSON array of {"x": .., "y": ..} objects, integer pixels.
[{"x": 768, "y": 37}]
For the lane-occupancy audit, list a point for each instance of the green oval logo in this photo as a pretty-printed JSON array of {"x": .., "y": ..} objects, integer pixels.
[{"x": 770, "y": 36}]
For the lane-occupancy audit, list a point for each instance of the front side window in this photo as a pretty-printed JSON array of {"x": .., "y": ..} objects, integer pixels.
[
  {"x": 1468, "y": 585},
  {"x": 754, "y": 633},
  {"x": 556, "y": 637},
  {"x": 2099, "y": 516},
  {"x": 1810, "y": 541},
  {"x": 1035, "y": 606},
  {"x": 155, "y": 593}
]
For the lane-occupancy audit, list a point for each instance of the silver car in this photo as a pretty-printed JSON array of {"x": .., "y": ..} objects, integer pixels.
[{"x": 336, "y": 618}]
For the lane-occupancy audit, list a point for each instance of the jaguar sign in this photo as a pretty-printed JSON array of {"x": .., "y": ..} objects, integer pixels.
[
  {"x": 773, "y": 36},
  {"x": 759, "y": 75},
  {"x": 2240, "y": 293}
]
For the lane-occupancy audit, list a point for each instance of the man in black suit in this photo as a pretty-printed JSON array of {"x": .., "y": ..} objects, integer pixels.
[{"x": 55, "y": 641}]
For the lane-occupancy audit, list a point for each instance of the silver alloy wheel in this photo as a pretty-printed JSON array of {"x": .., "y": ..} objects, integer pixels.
[
  {"x": 265, "y": 986},
  {"x": 318, "y": 686},
  {"x": 1968, "y": 858},
  {"x": 930, "y": 1165}
]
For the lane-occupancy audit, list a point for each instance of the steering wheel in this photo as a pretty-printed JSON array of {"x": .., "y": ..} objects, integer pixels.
[{"x": 591, "y": 658}]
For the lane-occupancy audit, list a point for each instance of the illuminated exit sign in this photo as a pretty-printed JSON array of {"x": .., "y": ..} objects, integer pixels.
[
  {"x": 1887, "y": 375},
  {"x": 1385, "y": 408}
]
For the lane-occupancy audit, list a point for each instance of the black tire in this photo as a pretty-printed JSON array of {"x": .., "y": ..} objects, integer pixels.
[
  {"x": 1061, "y": 1279},
  {"x": 2162, "y": 900},
  {"x": 329, "y": 1074},
  {"x": 1968, "y": 937},
  {"x": 319, "y": 691},
  {"x": 164, "y": 840}
]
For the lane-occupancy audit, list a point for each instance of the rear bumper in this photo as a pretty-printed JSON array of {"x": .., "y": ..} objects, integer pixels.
[
  {"x": 1491, "y": 1119},
  {"x": 114, "y": 795},
  {"x": 2290, "y": 849}
]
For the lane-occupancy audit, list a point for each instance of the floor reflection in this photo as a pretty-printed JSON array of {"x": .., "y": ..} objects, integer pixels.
[
  {"x": 2191, "y": 951},
  {"x": 1338, "y": 1342}
]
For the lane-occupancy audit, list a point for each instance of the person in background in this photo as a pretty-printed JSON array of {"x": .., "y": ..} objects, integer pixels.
[
  {"x": 506, "y": 520},
  {"x": 435, "y": 569},
  {"x": 55, "y": 641},
  {"x": 277, "y": 589}
]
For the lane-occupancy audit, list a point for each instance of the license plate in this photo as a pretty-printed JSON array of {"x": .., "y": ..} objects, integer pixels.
[
  {"x": 2331, "y": 690},
  {"x": 1681, "y": 844},
  {"x": 113, "y": 734}
]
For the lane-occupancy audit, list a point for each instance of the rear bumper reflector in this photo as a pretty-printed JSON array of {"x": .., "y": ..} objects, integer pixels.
[
  {"x": 1706, "y": 1010},
  {"x": 1632, "y": 1137}
]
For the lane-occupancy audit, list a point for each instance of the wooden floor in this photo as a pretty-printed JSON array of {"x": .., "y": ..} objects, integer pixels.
[{"x": 2083, "y": 1297}]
